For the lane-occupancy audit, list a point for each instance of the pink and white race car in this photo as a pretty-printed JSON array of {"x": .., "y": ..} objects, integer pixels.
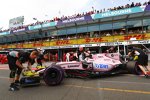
[
  {"x": 105, "y": 63},
  {"x": 100, "y": 63}
]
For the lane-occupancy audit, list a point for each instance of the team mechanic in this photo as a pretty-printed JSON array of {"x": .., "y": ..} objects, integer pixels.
[
  {"x": 141, "y": 57},
  {"x": 41, "y": 58},
  {"x": 15, "y": 61}
]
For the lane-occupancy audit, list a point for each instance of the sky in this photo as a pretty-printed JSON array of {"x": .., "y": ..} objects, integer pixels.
[{"x": 48, "y": 9}]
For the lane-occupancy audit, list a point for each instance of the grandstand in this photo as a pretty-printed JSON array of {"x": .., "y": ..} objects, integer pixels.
[{"x": 123, "y": 25}]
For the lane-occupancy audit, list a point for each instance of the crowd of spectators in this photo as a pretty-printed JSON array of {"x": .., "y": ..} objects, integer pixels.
[
  {"x": 94, "y": 11},
  {"x": 100, "y": 34}
]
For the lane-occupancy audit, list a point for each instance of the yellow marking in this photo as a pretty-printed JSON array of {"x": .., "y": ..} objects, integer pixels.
[
  {"x": 111, "y": 89},
  {"x": 123, "y": 82}
]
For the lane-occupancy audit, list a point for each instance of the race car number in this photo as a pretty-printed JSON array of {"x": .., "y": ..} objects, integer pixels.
[{"x": 101, "y": 66}]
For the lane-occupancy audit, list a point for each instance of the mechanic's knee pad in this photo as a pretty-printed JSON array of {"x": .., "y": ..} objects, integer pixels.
[
  {"x": 12, "y": 74},
  {"x": 19, "y": 71}
]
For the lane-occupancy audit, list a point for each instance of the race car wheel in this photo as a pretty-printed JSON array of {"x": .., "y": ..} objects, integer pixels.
[
  {"x": 133, "y": 68},
  {"x": 53, "y": 75}
]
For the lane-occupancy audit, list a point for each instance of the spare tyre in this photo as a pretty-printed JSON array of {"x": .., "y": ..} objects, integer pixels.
[
  {"x": 133, "y": 68},
  {"x": 53, "y": 75}
]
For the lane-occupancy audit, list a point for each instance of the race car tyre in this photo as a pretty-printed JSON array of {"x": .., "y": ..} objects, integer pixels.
[
  {"x": 53, "y": 75},
  {"x": 133, "y": 68}
]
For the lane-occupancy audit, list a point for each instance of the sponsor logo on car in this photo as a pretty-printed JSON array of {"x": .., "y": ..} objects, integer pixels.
[{"x": 101, "y": 66}]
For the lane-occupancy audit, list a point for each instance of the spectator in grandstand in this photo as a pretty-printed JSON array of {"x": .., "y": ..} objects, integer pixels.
[
  {"x": 108, "y": 34},
  {"x": 68, "y": 38},
  {"x": 146, "y": 3},
  {"x": 121, "y": 33},
  {"x": 96, "y": 35},
  {"x": 149, "y": 2},
  {"x": 130, "y": 32},
  {"x": 137, "y": 4},
  {"x": 127, "y": 6},
  {"x": 139, "y": 31},
  {"x": 87, "y": 35},
  {"x": 144, "y": 31},
  {"x": 115, "y": 33},
  {"x": 132, "y": 5}
]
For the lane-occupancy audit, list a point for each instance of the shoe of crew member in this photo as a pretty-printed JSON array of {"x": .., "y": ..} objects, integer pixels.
[
  {"x": 17, "y": 83},
  {"x": 13, "y": 87}
]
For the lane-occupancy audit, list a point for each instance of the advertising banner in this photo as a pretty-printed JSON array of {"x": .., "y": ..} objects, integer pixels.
[
  {"x": 49, "y": 24},
  {"x": 63, "y": 42},
  {"x": 46, "y": 43},
  {"x": 38, "y": 44},
  {"x": 9, "y": 46},
  {"x": 13, "y": 46},
  {"x": 16, "y": 22},
  {"x": 77, "y": 19},
  {"x": 147, "y": 8},
  {"x": 19, "y": 30},
  {"x": 19, "y": 45},
  {"x": 87, "y": 42},
  {"x": 25, "y": 45},
  {"x": 30, "y": 45},
  {"x": 35, "y": 27},
  {"x": 121, "y": 12},
  {"x": 4, "y": 33},
  {"x": 5, "y": 46},
  {"x": 0, "y": 47}
]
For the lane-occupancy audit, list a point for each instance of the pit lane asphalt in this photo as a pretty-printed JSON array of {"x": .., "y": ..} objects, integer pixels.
[{"x": 116, "y": 87}]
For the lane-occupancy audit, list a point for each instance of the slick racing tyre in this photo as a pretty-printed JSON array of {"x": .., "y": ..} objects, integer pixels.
[
  {"x": 53, "y": 75},
  {"x": 133, "y": 68}
]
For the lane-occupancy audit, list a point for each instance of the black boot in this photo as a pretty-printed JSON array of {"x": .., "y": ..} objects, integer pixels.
[
  {"x": 13, "y": 87},
  {"x": 17, "y": 83}
]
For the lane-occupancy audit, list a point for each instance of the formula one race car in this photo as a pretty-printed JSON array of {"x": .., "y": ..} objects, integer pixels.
[
  {"x": 54, "y": 73},
  {"x": 100, "y": 64},
  {"x": 105, "y": 63}
]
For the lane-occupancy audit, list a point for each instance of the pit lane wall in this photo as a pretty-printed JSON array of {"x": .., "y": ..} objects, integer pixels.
[{"x": 87, "y": 42}]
